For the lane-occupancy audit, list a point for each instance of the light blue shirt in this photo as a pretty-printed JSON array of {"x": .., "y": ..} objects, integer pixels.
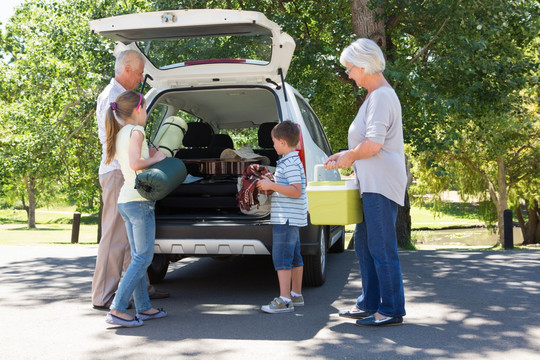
[{"x": 289, "y": 170}]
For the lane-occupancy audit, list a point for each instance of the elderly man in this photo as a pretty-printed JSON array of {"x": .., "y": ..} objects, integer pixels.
[{"x": 113, "y": 251}]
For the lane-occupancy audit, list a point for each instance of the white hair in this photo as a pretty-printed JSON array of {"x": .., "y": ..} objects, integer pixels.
[
  {"x": 125, "y": 58},
  {"x": 364, "y": 53}
]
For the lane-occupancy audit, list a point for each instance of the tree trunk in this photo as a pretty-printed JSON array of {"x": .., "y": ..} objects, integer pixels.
[
  {"x": 530, "y": 229},
  {"x": 403, "y": 223},
  {"x": 31, "y": 208},
  {"x": 368, "y": 23},
  {"x": 502, "y": 203}
]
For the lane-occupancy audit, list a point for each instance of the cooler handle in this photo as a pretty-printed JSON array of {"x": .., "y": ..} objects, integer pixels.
[{"x": 318, "y": 170}]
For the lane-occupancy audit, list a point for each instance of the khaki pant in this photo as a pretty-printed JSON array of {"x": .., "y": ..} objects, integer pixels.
[{"x": 113, "y": 251}]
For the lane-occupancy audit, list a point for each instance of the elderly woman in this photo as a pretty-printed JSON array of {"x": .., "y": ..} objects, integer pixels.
[{"x": 377, "y": 156}]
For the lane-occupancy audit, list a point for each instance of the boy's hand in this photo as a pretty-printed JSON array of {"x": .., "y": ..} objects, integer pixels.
[{"x": 264, "y": 184}]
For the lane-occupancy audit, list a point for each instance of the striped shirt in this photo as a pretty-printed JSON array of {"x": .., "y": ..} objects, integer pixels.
[{"x": 289, "y": 171}]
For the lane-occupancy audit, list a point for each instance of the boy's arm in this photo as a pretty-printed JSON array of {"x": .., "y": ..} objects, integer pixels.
[{"x": 292, "y": 190}]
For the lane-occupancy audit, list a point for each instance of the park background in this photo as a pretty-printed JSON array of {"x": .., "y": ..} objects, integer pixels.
[{"x": 466, "y": 73}]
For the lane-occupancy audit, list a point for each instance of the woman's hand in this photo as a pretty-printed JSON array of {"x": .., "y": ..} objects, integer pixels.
[{"x": 342, "y": 160}]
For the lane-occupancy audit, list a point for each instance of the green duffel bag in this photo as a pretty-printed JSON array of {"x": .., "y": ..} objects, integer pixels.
[
  {"x": 160, "y": 179},
  {"x": 170, "y": 135}
]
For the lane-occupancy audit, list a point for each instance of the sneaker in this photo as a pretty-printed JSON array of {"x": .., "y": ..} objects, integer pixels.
[
  {"x": 297, "y": 300},
  {"x": 278, "y": 306}
]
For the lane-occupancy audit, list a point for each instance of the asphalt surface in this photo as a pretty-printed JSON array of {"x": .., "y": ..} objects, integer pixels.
[{"x": 460, "y": 305}]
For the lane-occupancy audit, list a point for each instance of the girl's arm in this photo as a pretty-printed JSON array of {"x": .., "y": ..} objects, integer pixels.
[{"x": 136, "y": 162}]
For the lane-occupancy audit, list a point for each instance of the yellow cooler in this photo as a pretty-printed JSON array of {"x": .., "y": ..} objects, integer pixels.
[{"x": 334, "y": 202}]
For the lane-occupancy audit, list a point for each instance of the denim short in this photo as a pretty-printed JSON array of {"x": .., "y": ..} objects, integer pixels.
[{"x": 286, "y": 247}]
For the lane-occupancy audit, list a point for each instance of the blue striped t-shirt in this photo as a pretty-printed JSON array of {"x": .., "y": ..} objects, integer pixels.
[{"x": 289, "y": 170}]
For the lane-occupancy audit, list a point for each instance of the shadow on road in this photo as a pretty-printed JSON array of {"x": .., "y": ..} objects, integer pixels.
[{"x": 459, "y": 304}]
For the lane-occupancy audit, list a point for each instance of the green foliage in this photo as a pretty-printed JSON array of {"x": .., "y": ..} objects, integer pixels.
[
  {"x": 53, "y": 70},
  {"x": 466, "y": 72}
]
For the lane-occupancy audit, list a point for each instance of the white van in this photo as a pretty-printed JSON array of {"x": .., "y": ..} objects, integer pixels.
[{"x": 223, "y": 71}]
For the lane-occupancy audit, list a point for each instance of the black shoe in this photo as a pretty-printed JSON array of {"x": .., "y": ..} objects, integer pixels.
[
  {"x": 355, "y": 314},
  {"x": 386, "y": 321}
]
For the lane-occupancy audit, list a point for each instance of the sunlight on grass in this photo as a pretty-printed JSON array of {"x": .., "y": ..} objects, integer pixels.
[
  {"x": 19, "y": 234},
  {"x": 423, "y": 218},
  {"x": 53, "y": 226}
]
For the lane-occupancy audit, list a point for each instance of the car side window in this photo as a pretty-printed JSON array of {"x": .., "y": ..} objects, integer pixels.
[
  {"x": 154, "y": 120},
  {"x": 314, "y": 127}
]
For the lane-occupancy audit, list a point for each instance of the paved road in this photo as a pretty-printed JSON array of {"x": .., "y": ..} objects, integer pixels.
[{"x": 461, "y": 305}]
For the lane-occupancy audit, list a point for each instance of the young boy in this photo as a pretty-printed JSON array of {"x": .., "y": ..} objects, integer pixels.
[{"x": 289, "y": 213}]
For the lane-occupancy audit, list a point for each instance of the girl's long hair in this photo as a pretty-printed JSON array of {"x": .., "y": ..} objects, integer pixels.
[{"x": 122, "y": 109}]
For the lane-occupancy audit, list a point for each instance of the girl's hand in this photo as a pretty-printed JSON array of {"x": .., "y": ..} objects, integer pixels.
[
  {"x": 158, "y": 156},
  {"x": 152, "y": 150}
]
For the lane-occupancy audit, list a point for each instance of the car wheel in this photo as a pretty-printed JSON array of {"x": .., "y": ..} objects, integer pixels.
[
  {"x": 315, "y": 265},
  {"x": 158, "y": 269}
]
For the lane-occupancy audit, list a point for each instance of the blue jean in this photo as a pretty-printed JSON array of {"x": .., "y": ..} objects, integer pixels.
[
  {"x": 141, "y": 230},
  {"x": 286, "y": 247},
  {"x": 375, "y": 243}
]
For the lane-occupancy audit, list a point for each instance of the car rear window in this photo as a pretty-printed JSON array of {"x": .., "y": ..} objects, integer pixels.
[{"x": 166, "y": 54}]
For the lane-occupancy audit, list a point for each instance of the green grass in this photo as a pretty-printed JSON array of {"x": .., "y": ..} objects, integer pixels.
[
  {"x": 53, "y": 226},
  {"x": 451, "y": 215}
]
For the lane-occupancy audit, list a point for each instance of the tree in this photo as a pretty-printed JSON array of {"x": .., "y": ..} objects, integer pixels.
[
  {"x": 53, "y": 70},
  {"x": 470, "y": 103}
]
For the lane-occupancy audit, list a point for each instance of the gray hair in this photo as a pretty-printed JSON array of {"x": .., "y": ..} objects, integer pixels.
[
  {"x": 364, "y": 53},
  {"x": 125, "y": 58}
]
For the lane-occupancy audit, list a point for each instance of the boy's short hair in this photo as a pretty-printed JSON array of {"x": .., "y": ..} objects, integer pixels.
[{"x": 288, "y": 131}]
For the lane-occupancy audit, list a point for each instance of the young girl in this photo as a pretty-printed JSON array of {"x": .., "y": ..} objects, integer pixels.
[{"x": 128, "y": 144}]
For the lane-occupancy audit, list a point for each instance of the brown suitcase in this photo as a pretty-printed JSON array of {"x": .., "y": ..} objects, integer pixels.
[{"x": 220, "y": 166}]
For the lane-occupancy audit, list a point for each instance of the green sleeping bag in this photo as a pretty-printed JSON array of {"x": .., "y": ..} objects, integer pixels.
[
  {"x": 160, "y": 179},
  {"x": 170, "y": 135}
]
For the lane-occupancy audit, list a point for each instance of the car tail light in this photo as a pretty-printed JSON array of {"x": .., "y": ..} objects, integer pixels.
[{"x": 300, "y": 149}]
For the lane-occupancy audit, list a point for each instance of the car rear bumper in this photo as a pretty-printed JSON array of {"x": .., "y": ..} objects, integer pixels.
[{"x": 207, "y": 239}]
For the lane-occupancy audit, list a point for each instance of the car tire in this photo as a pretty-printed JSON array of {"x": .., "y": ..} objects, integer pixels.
[
  {"x": 315, "y": 265},
  {"x": 158, "y": 268}
]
